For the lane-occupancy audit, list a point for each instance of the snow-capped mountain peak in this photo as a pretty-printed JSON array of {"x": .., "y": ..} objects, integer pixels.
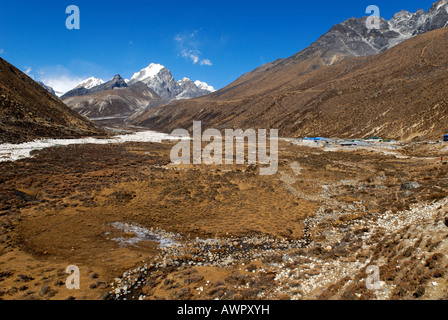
[
  {"x": 90, "y": 83},
  {"x": 147, "y": 73},
  {"x": 440, "y": 4},
  {"x": 204, "y": 86},
  {"x": 185, "y": 79},
  {"x": 353, "y": 37},
  {"x": 407, "y": 24},
  {"x": 160, "y": 79}
]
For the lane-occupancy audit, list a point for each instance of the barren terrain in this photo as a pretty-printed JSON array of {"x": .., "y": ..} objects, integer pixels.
[{"x": 139, "y": 227}]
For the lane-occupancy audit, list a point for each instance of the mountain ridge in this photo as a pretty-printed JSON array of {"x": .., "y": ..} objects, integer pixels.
[
  {"x": 302, "y": 86},
  {"x": 116, "y": 103},
  {"x": 157, "y": 86},
  {"x": 157, "y": 77},
  {"x": 160, "y": 79},
  {"x": 348, "y": 39},
  {"x": 116, "y": 82}
]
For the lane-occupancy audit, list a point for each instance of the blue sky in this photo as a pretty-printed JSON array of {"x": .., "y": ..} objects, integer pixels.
[{"x": 212, "y": 41}]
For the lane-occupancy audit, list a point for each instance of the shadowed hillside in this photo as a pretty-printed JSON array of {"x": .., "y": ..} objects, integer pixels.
[{"x": 28, "y": 111}]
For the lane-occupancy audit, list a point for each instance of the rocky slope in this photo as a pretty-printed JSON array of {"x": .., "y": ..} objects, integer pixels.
[
  {"x": 28, "y": 111},
  {"x": 116, "y": 103},
  {"x": 342, "y": 85},
  {"x": 348, "y": 39}
]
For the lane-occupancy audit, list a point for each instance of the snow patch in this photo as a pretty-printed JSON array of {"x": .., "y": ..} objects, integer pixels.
[
  {"x": 90, "y": 83},
  {"x": 14, "y": 152}
]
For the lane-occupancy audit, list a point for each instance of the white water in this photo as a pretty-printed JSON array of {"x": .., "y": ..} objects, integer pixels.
[
  {"x": 14, "y": 152},
  {"x": 165, "y": 239}
]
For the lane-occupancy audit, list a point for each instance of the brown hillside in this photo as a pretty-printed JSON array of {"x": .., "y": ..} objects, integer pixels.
[
  {"x": 122, "y": 102},
  {"x": 399, "y": 94},
  {"x": 28, "y": 111}
]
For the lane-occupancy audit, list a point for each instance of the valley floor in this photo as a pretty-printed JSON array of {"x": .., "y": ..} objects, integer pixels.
[{"x": 139, "y": 227}]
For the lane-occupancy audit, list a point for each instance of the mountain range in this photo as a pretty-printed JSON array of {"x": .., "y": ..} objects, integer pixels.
[
  {"x": 83, "y": 90},
  {"x": 119, "y": 98},
  {"x": 115, "y": 102},
  {"x": 155, "y": 76},
  {"x": 160, "y": 79},
  {"x": 353, "y": 81}
]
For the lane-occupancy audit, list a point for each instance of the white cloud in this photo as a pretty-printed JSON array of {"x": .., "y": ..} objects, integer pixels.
[
  {"x": 61, "y": 83},
  {"x": 1, "y": 51},
  {"x": 59, "y": 78},
  {"x": 28, "y": 70},
  {"x": 188, "y": 45},
  {"x": 206, "y": 62},
  {"x": 192, "y": 55}
]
